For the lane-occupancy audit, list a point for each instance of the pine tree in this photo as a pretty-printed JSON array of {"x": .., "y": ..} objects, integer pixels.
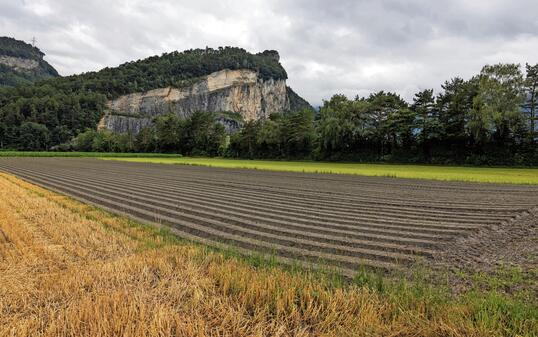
[{"x": 531, "y": 102}]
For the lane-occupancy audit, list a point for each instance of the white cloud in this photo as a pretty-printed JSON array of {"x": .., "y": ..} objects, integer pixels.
[
  {"x": 351, "y": 47},
  {"x": 38, "y": 7}
]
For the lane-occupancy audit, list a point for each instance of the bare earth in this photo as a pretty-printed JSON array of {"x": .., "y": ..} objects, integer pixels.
[{"x": 342, "y": 221}]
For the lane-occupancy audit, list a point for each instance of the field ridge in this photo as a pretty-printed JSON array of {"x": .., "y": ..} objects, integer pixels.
[{"x": 345, "y": 222}]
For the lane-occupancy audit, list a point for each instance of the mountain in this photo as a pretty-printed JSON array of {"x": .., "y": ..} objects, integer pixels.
[
  {"x": 232, "y": 83},
  {"x": 21, "y": 63},
  {"x": 226, "y": 80},
  {"x": 243, "y": 93}
]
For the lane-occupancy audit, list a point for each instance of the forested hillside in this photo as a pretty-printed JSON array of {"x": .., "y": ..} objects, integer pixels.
[
  {"x": 21, "y": 63},
  {"x": 52, "y": 112},
  {"x": 489, "y": 119}
]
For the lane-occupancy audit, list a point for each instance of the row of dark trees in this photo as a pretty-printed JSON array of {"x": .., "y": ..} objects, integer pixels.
[
  {"x": 47, "y": 119},
  {"x": 197, "y": 135},
  {"x": 489, "y": 119}
]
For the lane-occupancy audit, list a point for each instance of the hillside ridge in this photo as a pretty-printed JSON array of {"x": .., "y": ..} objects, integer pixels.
[
  {"x": 62, "y": 108},
  {"x": 22, "y": 63}
]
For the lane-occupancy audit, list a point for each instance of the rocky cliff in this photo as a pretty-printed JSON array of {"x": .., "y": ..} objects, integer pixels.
[
  {"x": 241, "y": 92},
  {"x": 19, "y": 63}
]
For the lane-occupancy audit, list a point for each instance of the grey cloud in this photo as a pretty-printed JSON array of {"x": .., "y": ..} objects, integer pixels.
[{"x": 349, "y": 46}]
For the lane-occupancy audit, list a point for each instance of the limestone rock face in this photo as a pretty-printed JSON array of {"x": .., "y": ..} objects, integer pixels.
[
  {"x": 18, "y": 63},
  {"x": 236, "y": 91},
  {"x": 123, "y": 124}
]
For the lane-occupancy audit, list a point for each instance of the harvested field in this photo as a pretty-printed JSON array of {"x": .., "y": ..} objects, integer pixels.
[
  {"x": 71, "y": 269},
  {"x": 342, "y": 221}
]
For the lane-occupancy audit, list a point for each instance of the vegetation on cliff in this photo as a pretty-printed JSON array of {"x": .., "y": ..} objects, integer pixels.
[
  {"x": 12, "y": 48},
  {"x": 56, "y": 110},
  {"x": 171, "y": 69}
]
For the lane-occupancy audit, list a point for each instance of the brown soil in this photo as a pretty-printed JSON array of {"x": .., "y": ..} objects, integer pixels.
[
  {"x": 342, "y": 221},
  {"x": 514, "y": 243}
]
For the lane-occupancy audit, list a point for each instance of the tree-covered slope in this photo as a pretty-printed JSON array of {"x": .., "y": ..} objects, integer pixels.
[
  {"x": 175, "y": 69},
  {"x": 22, "y": 63},
  {"x": 52, "y": 112},
  {"x": 297, "y": 103}
]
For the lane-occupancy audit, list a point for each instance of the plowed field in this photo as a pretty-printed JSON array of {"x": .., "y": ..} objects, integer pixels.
[{"x": 342, "y": 221}]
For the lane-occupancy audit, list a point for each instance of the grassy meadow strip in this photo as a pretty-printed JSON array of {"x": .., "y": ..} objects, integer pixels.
[
  {"x": 430, "y": 172},
  {"x": 85, "y": 154},
  {"x": 500, "y": 175},
  {"x": 70, "y": 269}
]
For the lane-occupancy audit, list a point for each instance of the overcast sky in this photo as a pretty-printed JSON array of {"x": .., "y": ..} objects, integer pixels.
[{"x": 327, "y": 47}]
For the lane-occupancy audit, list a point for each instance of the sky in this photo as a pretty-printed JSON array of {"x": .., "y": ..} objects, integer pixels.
[{"x": 351, "y": 47}]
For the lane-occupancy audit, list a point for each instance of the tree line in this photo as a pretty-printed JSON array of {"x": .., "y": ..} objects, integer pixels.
[
  {"x": 197, "y": 135},
  {"x": 489, "y": 119},
  {"x": 16, "y": 48},
  {"x": 51, "y": 112}
]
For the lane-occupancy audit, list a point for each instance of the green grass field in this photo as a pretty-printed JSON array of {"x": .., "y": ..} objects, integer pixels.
[
  {"x": 502, "y": 175},
  {"x": 431, "y": 172},
  {"x": 85, "y": 154}
]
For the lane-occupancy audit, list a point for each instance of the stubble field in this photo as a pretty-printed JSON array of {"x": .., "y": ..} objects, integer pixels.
[{"x": 70, "y": 269}]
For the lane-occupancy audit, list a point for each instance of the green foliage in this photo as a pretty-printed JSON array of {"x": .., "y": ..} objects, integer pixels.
[
  {"x": 486, "y": 120},
  {"x": 169, "y": 130},
  {"x": 269, "y": 138},
  {"x": 298, "y": 132},
  {"x": 289, "y": 135},
  {"x": 426, "y": 120},
  {"x": 363, "y": 127},
  {"x": 341, "y": 127},
  {"x": 199, "y": 134},
  {"x": 497, "y": 106},
  {"x": 68, "y": 106},
  {"x": 146, "y": 140},
  {"x": 531, "y": 102},
  {"x": 34, "y": 136},
  {"x": 16, "y": 48},
  {"x": 454, "y": 105},
  {"x": 170, "y": 69},
  {"x": 243, "y": 144},
  {"x": 202, "y": 136},
  {"x": 481, "y": 121},
  {"x": 297, "y": 103}
]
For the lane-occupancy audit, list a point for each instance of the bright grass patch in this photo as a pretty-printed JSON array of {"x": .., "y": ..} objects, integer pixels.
[{"x": 430, "y": 172}]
